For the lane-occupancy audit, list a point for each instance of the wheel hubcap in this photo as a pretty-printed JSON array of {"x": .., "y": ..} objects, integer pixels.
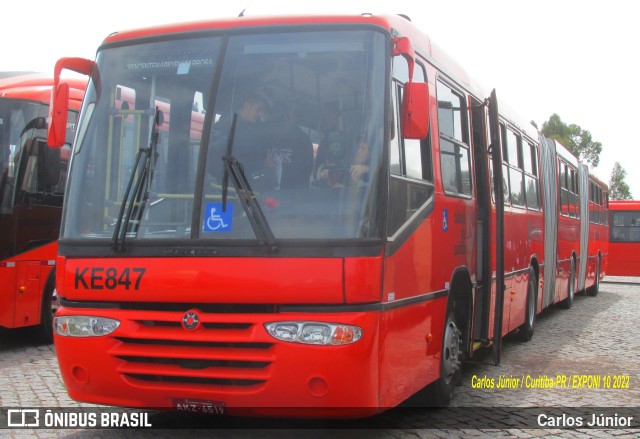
[{"x": 451, "y": 351}]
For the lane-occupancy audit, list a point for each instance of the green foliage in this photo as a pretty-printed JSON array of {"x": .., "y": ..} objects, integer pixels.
[
  {"x": 618, "y": 188},
  {"x": 574, "y": 138}
]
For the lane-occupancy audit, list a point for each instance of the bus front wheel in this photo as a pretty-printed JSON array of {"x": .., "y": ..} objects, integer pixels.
[
  {"x": 48, "y": 309},
  {"x": 450, "y": 362}
]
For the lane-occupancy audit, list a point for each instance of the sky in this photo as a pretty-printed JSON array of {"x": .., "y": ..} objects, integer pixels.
[{"x": 578, "y": 59}]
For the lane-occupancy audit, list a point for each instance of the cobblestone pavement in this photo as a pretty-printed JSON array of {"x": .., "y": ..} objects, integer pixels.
[{"x": 596, "y": 340}]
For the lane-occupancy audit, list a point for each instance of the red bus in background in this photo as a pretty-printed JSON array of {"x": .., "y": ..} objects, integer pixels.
[
  {"x": 213, "y": 261},
  {"x": 624, "y": 241},
  {"x": 31, "y": 191}
]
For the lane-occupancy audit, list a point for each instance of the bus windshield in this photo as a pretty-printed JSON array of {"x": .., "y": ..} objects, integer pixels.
[
  {"x": 158, "y": 157},
  {"x": 30, "y": 172}
]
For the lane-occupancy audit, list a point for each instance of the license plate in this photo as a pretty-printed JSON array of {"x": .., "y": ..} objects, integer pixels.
[{"x": 201, "y": 406}]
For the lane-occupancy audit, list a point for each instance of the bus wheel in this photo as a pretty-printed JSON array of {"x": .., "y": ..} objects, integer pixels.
[
  {"x": 450, "y": 363},
  {"x": 48, "y": 309},
  {"x": 595, "y": 289},
  {"x": 568, "y": 302},
  {"x": 528, "y": 327}
]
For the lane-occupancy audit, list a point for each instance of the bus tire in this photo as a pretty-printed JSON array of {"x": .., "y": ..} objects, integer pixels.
[
  {"x": 450, "y": 362},
  {"x": 528, "y": 327},
  {"x": 48, "y": 309},
  {"x": 571, "y": 290},
  {"x": 595, "y": 289}
]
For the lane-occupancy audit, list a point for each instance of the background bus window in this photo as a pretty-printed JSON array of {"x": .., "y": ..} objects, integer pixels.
[{"x": 625, "y": 226}]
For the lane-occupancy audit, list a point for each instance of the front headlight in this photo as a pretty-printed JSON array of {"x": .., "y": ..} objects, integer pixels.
[
  {"x": 84, "y": 326},
  {"x": 314, "y": 332}
]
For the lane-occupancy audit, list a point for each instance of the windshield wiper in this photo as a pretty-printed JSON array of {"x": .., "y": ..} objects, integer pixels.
[
  {"x": 143, "y": 169},
  {"x": 234, "y": 170}
]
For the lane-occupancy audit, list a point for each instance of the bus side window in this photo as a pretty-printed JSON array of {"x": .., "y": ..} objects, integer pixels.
[
  {"x": 454, "y": 141},
  {"x": 411, "y": 183},
  {"x": 505, "y": 167},
  {"x": 530, "y": 156}
]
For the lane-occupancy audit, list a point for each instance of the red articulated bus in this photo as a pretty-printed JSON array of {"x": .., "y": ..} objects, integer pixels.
[
  {"x": 31, "y": 191},
  {"x": 624, "y": 250},
  {"x": 312, "y": 229}
]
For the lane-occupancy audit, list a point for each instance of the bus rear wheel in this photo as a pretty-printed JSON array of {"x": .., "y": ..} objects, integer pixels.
[
  {"x": 571, "y": 291},
  {"x": 595, "y": 289},
  {"x": 528, "y": 327}
]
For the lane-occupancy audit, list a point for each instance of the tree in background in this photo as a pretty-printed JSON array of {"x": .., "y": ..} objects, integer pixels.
[
  {"x": 618, "y": 188},
  {"x": 574, "y": 138}
]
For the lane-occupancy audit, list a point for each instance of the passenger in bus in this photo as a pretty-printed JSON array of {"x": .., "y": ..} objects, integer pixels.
[
  {"x": 359, "y": 170},
  {"x": 355, "y": 173},
  {"x": 250, "y": 142},
  {"x": 291, "y": 150},
  {"x": 331, "y": 160}
]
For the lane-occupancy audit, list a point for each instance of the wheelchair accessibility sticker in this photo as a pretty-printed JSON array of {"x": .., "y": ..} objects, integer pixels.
[
  {"x": 216, "y": 220},
  {"x": 445, "y": 220}
]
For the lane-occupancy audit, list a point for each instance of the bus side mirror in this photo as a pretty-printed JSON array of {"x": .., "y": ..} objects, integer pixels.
[
  {"x": 415, "y": 97},
  {"x": 415, "y": 110},
  {"x": 59, "y": 106},
  {"x": 58, "y": 116}
]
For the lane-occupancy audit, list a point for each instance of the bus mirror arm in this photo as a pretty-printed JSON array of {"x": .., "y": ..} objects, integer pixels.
[{"x": 59, "y": 107}]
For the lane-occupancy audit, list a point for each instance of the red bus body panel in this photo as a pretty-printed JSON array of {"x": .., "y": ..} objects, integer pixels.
[
  {"x": 22, "y": 279},
  {"x": 313, "y": 376}
]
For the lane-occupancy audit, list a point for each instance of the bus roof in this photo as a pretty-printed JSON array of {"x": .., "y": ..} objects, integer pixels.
[
  {"x": 37, "y": 87},
  {"x": 396, "y": 24},
  {"x": 624, "y": 204},
  {"x": 598, "y": 181}
]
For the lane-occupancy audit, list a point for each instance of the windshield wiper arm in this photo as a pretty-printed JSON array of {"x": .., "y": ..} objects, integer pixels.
[
  {"x": 144, "y": 173},
  {"x": 117, "y": 242},
  {"x": 227, "y": 156},
  {"x": 234, "y": 170}
]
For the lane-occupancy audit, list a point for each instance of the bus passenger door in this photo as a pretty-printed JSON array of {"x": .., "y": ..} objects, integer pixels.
[
  {"x": 39, "y": 191},
  {"x": 482, "y": 299},
  {"x": 497, "y": 182}
]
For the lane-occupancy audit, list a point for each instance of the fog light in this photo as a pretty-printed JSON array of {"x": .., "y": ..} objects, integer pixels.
[
  {"x": 318, "y": 333},
  {"x": 84, "y": 326}
]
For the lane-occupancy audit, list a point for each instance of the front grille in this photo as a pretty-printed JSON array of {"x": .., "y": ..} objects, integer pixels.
[
  {"x": 197, "y": 364},
  {"x": 206, "y": 325},
  {"x": 206, "y": 344},
  {"x": 226, "y": 351},
  {"x": 194, "y": 380}
]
